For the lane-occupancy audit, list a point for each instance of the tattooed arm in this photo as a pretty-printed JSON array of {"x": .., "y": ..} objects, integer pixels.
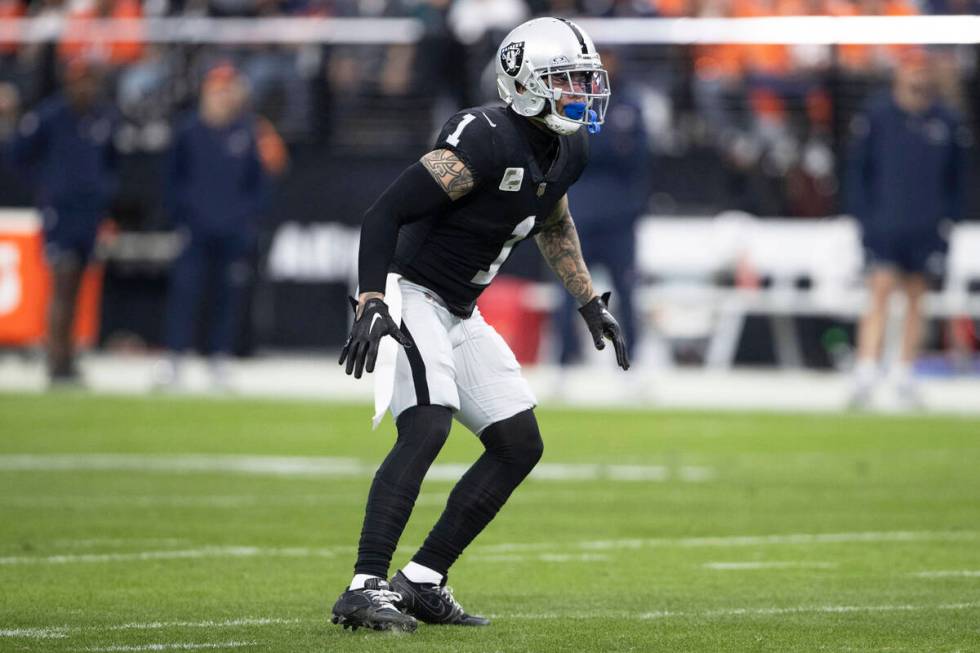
[
  {"x": 558, "y": 242},
  {"x": 426, "y": 187},
  {"x": 449, "y": 172}
]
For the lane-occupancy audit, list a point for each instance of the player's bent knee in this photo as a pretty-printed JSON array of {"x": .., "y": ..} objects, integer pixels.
[
  {"x": 515, "y": 440},
  {"x": 420, "y": 424},
  {"x": 531, "y": 453},
  {"x": 422, "y": 431}
]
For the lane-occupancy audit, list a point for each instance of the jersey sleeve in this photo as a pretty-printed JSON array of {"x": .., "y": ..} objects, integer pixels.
[{"x": 469, "y": 135}]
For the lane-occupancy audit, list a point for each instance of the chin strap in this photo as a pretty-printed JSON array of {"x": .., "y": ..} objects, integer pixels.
[
  {"x": 576, "y": 110},
  {"x": 559, "y": 125}
]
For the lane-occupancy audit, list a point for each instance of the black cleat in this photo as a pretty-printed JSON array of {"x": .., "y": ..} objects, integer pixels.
[
  {"x": 433, "y": 604},
  {"x": 373, "y": 606}
]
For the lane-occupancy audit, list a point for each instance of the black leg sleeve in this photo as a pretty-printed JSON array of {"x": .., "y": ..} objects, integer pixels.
[
  {"x": 422, "y": 430},
  {"x": 513, "y": 448}
]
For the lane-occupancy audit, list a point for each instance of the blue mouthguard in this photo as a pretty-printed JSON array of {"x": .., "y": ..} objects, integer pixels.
[{"x": 576, "y": 110}]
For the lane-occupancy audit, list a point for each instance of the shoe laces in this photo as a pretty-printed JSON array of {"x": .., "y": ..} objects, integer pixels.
[
  {"x": 385, "y": 598},
  {"x": 447, "y": 594}
]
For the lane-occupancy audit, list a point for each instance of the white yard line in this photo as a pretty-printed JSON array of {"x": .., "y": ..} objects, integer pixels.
[
  {"x": 749, "y": 566},
  {"x": 809, "y": 609},
  {"x": 228, "y": 623},
  {"x": 837, "y": 609},
  {"x": 52, "y": 632},
  {"x": 545, "y": 551},
  {"x": 300, "y": 466},
  {"x": 572, "y": 557},
  {"x": 61, "y": 632},
  {"x": 724, "y": 541},
  {"x": 267, "y": 465},
  {"x": 205, "y": 552},
  {"x": 744, "y": 612},
  {"x": 541, "y": 557},
  {"x": 789, "y": 538},
  {"x": 950, "y": 573},
  {"x": 118, "y": 541},
  {"x": 173, "y": 646},
  {"x": 230, "y": 501}
]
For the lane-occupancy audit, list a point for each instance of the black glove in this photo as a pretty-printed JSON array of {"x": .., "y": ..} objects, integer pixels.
[
  {"x": 603, "y": 324},
  {"x": 361, "y": 349}
]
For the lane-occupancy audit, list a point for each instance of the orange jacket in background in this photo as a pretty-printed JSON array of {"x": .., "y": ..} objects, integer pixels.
[
  {"x": 85, "y": 39},
  {"x": 10, "y": 9},
  {"x": 762, "y": 58},
  {"x": 272, "y": 150},
  {"x": 854, "y": 56}
]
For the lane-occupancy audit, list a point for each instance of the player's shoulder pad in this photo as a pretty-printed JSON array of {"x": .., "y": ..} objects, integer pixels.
[{"x": 472, "y": 135}]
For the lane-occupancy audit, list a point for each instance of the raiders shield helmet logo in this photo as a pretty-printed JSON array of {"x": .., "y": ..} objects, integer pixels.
[{"x": 511, "y": 57}]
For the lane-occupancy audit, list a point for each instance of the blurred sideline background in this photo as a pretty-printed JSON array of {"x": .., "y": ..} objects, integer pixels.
[{"x": 724, "y": 174}]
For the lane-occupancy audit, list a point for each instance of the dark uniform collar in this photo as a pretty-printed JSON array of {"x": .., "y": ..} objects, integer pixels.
[{"x": 547, "y": 150}]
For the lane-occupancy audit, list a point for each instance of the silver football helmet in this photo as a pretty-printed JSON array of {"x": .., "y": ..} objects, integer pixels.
[{"x": 542, "y": 60}]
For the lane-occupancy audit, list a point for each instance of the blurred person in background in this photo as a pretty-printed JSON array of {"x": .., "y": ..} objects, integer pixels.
[
  {"x": 479, "y": 25},
  {"x": 216, "y": 188},
  {"x": 13, "y": 191},
  {"x": 907, "y": 179},
  {"x": 9, "y": 111},
  {"x": 619, "y": 167},
  {"x": 66, "y": 148}
]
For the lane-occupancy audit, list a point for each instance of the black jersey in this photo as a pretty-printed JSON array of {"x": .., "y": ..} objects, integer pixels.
[{"x": 520, "y": 171}]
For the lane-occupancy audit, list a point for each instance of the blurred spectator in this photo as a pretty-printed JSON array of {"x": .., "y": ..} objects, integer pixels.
[
  {"x": 216, "y": 188},
  {"x": 37, "y": 66},
  {"x": 480, "y": 25},
  {"x": 606, "y": 202},
  {"x": 952, "y": 7},
  {"x": 440, "y": 59},
  {"x": 907, "y": 182},
  {"x": 9, "y": 111},
  {"x": 12, "y": 189},
  {"x": 242, "y": 8},
  {"x": 66, "y": 147}
]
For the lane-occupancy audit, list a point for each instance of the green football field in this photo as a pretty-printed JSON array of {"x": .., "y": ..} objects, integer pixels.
[{"x": 160, "y": 524}]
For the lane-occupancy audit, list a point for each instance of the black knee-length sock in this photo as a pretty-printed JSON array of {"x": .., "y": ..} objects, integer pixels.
[
  {"x": 513, "y": 448},
  {"x": 422, "y": 430}
]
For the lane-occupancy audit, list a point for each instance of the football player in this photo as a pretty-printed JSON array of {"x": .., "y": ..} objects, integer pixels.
[{"x": 498, "y": 175}]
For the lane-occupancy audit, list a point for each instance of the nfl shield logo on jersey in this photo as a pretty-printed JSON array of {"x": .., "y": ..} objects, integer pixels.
[
  {"x": 512, "y": 179},
  {"x": 512, "y": 56}
]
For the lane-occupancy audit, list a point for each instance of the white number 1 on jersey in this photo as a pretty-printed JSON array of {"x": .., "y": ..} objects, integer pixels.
[
  {"x": 483, "y": 277},
  {"x": 453, "y": 139}
]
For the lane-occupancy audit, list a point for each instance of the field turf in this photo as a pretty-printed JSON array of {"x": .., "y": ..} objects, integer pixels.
[{"x": 656, "y": 531}]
